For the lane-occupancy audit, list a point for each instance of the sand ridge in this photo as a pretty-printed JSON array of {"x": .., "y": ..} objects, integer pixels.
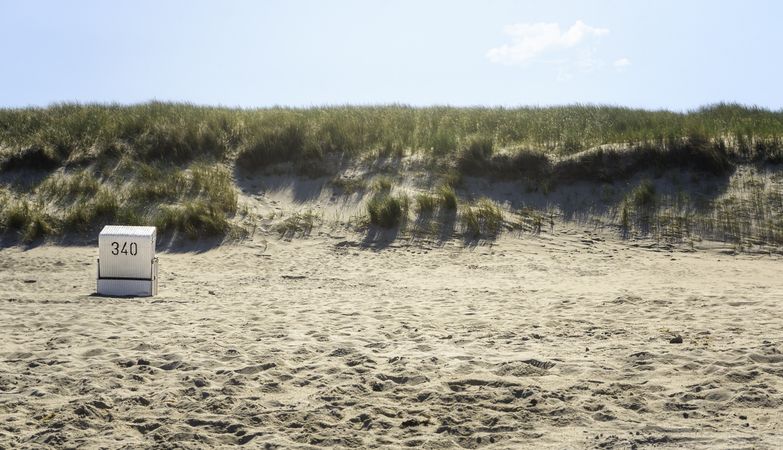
[{"x": 560, "y": 340}]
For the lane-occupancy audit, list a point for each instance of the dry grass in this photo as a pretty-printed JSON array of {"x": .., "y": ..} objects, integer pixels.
[{"x": 298, "y": 224}]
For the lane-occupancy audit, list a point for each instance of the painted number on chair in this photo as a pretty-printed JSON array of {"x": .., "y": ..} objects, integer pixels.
[{"x": 124, "y": 248}]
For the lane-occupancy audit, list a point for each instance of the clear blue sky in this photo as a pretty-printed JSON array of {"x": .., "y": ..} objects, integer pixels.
[{"x": 657, "y": 54}]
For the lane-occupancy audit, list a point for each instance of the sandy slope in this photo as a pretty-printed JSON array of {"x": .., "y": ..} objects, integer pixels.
[{"x": 551, "y": 341}]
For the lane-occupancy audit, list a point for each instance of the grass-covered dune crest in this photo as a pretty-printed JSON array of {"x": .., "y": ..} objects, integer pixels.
[
  {"x": 179, "y": 132},
  {"x": 68, "y": 168}
]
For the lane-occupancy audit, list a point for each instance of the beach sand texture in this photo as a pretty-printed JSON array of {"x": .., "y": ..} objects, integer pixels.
[{"x": 566, "y": 340}]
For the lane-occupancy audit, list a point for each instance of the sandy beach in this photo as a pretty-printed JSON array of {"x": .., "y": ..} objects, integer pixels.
[
  {"x": 569, "y": 339},
  {"x": 391, "y": 225}
]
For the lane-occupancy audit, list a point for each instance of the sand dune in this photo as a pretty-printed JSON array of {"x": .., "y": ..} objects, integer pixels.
[{"x": 560, "y": 340}]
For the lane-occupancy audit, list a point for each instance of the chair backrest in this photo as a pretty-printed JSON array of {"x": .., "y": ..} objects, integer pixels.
[{"x": 126, "y": 252}]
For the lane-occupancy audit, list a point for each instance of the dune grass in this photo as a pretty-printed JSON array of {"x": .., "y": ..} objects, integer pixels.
[
  {"x": 447, "y": 197},
  {"x": 387, "y": 211},
  {"x": 643, "y": 195},
  {"x": 299, "y": 223},
  {"x": 382, "y": 184},
  {"x": 426, "y": 203},
  {"x": 171, "y": 164},
  {"x": 747, "y": 214},
  {"x": 348, "y": 186},
  {"x": 31, "y": 220},
  {"x": 482, "y": 219},
  {"x": 197, "y": 200},
  {"x": 77, "y": 134}
]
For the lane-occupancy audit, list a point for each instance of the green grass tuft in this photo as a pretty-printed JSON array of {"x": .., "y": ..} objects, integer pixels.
[
  {"x": 194, "y": 218},
  {"x": 426, "y": 203},
  {"x": 475, "y": 156},
  {"x": 484, "y": 219},
  {"x": 387, "y": 211},
  {"x": 31, "y": 221},
  {"x": 447, "y": 197}
]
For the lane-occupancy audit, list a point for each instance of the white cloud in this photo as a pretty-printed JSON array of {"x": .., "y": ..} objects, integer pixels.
[
  {"x": 530, "y": 41},
  {"x": 622, "y": 63}
]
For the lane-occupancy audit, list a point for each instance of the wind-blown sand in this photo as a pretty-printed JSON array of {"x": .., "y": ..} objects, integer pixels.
[{"x": 558, "y": 340}]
